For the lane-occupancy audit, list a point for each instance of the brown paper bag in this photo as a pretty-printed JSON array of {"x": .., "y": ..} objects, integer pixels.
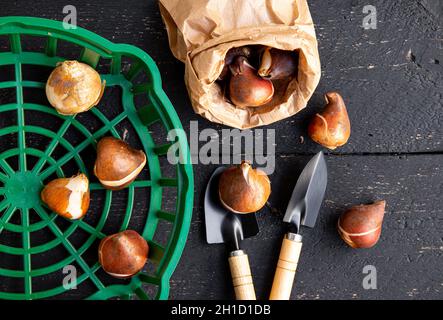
[{"x": 202, "y": 31}]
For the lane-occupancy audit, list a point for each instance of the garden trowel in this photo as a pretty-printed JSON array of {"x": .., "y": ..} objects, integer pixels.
[
  {"x": 303, "y": 209},
  {"x": 224, "y": 226}
]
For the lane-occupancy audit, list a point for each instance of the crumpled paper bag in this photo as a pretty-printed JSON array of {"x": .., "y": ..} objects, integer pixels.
[{"x": 201, "y": 32}]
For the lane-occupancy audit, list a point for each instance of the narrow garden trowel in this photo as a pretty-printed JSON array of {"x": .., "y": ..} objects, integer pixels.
[
  {"x": 224, "y": 226},
  {"x": 303, "y": 209}
]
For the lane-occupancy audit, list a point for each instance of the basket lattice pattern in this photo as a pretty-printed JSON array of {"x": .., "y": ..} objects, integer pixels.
[{"x": 37, "y": 144}]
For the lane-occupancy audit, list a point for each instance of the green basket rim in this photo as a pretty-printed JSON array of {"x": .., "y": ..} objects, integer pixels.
[{"x": 185, "y": 176}]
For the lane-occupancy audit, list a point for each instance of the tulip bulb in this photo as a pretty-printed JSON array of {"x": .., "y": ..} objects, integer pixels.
[
  {"x": 360, "y": 226},
  {"x": 124, "y": 254},
  {"x": 74, "y": 87},
  {"x": 244, "y": 51},
  {"x": 243, "y": 189},
  {"x": 68, "y": 197},
  {"x": 117, "y": 164},
  {"x": 246, "y": 89},
  {"x": 278, "y": 64},
  {"x": 331, "y": 128}
]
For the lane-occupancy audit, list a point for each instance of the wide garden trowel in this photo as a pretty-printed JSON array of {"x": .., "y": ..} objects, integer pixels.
[{"x": 224, "y": 226}]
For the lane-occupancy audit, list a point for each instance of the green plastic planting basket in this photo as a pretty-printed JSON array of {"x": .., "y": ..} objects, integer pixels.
[{"x": 37, "y": 247}]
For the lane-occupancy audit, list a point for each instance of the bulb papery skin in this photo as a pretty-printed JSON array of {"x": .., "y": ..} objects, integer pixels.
[
  {"x": 246, "y": 88},
  {"x": 331, "y": 127},
  {"x": 74, "y": 87},
  {"x": 243, "y": 189},
  {"x": 278, "y": 64},
  {"x": 68, "y": 197},
  {"x": 117, "y": 163},
  {"x": 78, "y": 186},
  {"x": 124, "y": 254},
  {"x": 360, "y": 226},
  {"x": 229, "y": 58}
]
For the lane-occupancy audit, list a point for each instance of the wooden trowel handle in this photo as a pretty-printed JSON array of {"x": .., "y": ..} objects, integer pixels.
[
  {"x": 241, "y": 275},
  {"x": 286, "y": 267}
]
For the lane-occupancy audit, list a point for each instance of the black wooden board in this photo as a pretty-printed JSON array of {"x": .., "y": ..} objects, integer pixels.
[
  {"x": 391, "y": 80},
  {"x": 408, "y": 257}
]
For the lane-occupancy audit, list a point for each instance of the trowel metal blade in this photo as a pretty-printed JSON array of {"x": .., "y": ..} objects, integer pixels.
[{"x": 308, "y": 194}]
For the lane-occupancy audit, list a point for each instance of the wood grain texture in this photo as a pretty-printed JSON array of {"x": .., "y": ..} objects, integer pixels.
[
  {"x": 285, "y": 270},
  {"x": 242, "y": 280},
  {"x": 391, "y": 80},
  {"x": 408, "y": 256}
]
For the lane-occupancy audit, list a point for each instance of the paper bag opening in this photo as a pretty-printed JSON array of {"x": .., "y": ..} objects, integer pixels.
[{"x": 202, "y": 32}]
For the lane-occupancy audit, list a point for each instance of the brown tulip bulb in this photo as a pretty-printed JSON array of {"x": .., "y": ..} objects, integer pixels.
[
  {"x": 74, "y": 87},
  {"x": 331, "y": 128},
  {"x": 246, "y": 89},
  {"x": 278, "y": 64},
  {"x": 124, "y": 254},
  {"x": 360, "y": 226},
  {"x": 68, "y": 197},
  {"x": 244, "y": 51},
  {"x": 243, "y": 189},
  {"x": 117, "y": 164}
]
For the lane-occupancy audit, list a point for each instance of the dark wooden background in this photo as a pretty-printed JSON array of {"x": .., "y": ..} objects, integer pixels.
[{"x": 392, "y": 81}]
